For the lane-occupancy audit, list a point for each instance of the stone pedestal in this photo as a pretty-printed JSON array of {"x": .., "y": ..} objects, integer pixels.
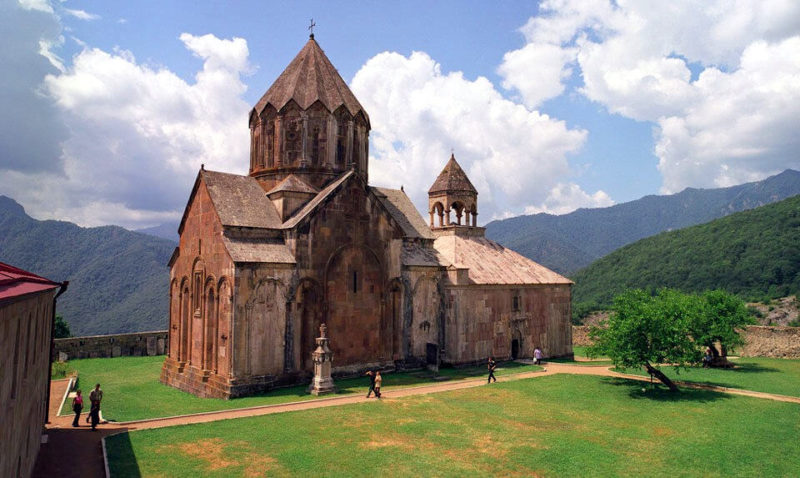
[{"x": 322, "y": 383}]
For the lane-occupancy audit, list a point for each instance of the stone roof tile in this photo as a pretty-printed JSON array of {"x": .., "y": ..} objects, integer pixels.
[
  {"x": 309, "y": 78},
  {"x": 490, "y": 263},
  {"x": 293, "y": 184},
  {"x": 452, "y": 178},
  {"x": 240, "y": 201},
  {"x": 257, "y": 250},
  {"x": 403, "y": 211}
]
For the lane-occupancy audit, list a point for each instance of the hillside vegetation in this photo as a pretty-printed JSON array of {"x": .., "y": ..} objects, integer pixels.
[
  {"x": 754, "y": 254},
  {"x": 569, "y": 242},
  {"x": 118, "y": 278}
]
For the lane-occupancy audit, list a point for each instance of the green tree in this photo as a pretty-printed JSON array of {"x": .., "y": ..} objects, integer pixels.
[
  {"x": 645, "y": 330},
  {"x": 62, "y": 328},
  {"x": 723, "y": 315}
]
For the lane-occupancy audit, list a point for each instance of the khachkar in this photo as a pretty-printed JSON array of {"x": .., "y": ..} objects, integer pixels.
[{"x": 322, "y": 383}]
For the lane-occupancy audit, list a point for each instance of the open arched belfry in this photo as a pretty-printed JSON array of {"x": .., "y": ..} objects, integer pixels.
[{"x": 303, "y": 239}]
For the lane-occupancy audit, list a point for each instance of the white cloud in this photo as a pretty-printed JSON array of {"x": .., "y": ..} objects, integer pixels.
[
  {"x": 567, "y": 197},
  {"x": 37, "y": 5},
  {"x": 81, "y": 14},
  {"x": 725, "y": 126},
  {"x": 138, "y": 135},
  {"x": 512, "y": 154}
]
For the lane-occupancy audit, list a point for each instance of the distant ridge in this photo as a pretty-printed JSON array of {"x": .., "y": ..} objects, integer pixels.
[
  {"x": 754, "y": 253},
  {"x": 118, "y": 278},
  {"x": 167, "y": 230},
  {"x": 571, "y": 241}
]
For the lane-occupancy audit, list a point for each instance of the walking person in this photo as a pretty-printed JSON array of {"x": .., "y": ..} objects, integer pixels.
[
  {"x": 371, "y": 375},
  {"x": 94, "y": 413},
  {"x": 537, "y": 356},
  {"x": 378, "y": 381},
  {"x": 77, "y": 406},
  {"x": 492, "y": 365}
]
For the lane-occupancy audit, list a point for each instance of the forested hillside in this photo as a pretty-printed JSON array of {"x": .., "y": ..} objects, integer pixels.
[
  {"x": 755, "y": 254},
  {"x": 569, "y": 242},
  {"x": 118, "y": 278}
]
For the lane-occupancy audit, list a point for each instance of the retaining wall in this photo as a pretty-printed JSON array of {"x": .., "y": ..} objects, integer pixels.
[
  {"x": 136, "y": 344},
  {"x": 760, "y": 341}
]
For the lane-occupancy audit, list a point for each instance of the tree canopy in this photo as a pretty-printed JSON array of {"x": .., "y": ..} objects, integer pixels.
[{"x": 669, "y": 327}]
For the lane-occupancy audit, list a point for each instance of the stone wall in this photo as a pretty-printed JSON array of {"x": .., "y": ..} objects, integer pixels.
[
  {"x": 580, "y": 335},
  {"x": 760, "y": 341},
  {"x": 137, "y": 344}
]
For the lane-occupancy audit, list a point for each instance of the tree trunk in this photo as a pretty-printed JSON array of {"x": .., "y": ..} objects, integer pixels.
[{"x": 661, "y": 377}]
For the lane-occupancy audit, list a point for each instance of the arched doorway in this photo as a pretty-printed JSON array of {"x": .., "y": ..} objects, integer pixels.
[{"x": 353, "y": 291}]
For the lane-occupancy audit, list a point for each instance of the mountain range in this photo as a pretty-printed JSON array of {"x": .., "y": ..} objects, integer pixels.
[
  {"x": 119, "y": 280},
  {"x": 568, "y": 242},
  {"x": 754, "y": 253}
]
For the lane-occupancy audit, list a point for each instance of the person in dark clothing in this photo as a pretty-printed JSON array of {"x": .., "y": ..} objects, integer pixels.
[
  {"x": 94, "y": 413},
  {"x": 371, "y": 375},
  {"x": 492, "y": 365},
  {"x": 77, "y": 406}
]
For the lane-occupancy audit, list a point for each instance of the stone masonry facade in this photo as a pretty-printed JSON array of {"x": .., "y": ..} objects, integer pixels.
[{"x": 303, "y": 239}]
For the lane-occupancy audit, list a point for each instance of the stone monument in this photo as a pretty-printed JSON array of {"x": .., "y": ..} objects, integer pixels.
[{"x": 322, "y": 383}]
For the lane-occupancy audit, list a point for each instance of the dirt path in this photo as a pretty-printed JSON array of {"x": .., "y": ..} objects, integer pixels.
[{"x": 77, "y": 451}]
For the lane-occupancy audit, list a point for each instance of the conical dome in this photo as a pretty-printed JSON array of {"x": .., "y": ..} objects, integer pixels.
[
  {"x": 309, "y": 78},
  {"x": 452, "y": 178},
  {"x": 308, "y": 124}
]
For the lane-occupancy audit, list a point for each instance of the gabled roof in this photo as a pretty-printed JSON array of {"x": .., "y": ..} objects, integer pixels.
[
  {"x": 15, "y": 282},
  {"x": 403, "y": 211},
  {"x": 309, "y": 78},
  {"x": 490, "y": 263},
  {"x": 240, "y": 201},
  {"x": 452, "y": 178},
  {"x": 293, "y": 184},
  {"x": 317, "y": 200},
  {"x": 243, "y": 249}
]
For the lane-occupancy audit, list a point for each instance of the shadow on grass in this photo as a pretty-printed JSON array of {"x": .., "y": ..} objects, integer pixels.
[
  {"x": 746, "y": 367},
  {"x": 658, "y": 392},
  {"x": 121, "y": 457}
]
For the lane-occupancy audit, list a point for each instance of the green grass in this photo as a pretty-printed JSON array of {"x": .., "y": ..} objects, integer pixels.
[
  {"x": 580, "y": 353},
  {"x": 131, "y": 390},
  {"x": 59, "y": 370},
  {"x": 760, "y": 374},
  {"x": 550, "y": 426}
]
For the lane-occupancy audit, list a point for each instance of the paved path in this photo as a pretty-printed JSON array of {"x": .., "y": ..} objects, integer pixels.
[{"x": 77, "y": 451}]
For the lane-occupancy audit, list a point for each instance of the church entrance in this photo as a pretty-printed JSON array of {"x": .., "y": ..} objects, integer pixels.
[
  {"x": 353, "y": 288},
  {"x": 514, "y": 349}
]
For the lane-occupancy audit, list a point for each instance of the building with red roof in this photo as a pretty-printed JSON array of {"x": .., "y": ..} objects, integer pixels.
[{"x": 27, "y": 314}]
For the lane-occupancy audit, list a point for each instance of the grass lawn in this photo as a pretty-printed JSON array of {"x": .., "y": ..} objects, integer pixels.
[
  {"x": 582, "y": 358},
  {"x": 760, "y": 374},
  {"x": 562, "y": 425},
  {"x": 131, "y": 390}
]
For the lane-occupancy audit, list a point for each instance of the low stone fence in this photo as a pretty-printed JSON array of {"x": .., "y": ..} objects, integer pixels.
[
  {"x": 759, "y": 341},
  {"x": 136, "y": 344}
]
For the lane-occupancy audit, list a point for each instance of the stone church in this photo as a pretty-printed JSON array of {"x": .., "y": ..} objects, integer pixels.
[{"x": 303, "y": 239}]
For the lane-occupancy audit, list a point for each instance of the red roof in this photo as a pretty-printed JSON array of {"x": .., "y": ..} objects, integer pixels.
[{"x": 16, "y": 282}]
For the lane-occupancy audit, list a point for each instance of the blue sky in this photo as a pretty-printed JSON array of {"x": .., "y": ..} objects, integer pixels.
[{"x": 112, "y": 106}]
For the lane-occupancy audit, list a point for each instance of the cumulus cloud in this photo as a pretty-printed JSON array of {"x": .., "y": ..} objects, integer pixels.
[
  {"x": 725, "y": 125},
  {"x": 566, "y": 197},
  {"x": 29, "y": 131},
  {"x": 514, "y": 155},
  {"x": 138, "y": 135}
]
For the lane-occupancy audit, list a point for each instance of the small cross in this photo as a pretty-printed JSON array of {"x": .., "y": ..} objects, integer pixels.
[{"x": 311, "y": 28}]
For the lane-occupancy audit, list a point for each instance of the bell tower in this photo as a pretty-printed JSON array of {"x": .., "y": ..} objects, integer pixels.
[
  {"x": 453, "y": 200},
  {"x": 308, "y": 124}
]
